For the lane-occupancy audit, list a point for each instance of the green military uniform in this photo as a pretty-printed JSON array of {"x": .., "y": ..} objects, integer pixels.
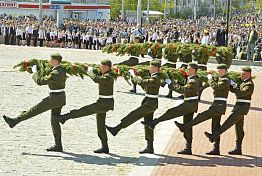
[
  {"x": 148, "y": 107},
  {"x": 54, "y": 102},
  {"x": 216, "y": 110},
  {"x": 100, "y": 107},
  {"x": 186, "y": 109},
  {"x": 243, "y": 93}
]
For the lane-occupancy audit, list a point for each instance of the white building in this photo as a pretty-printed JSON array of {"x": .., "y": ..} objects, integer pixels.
[{"x": 78, "y": 9}]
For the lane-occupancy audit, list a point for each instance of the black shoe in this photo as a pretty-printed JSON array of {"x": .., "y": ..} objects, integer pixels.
[
  {"x": 147, "y": 150},
  {"x": 133, "y": 90},
  {"x": 11, "y": 122},
  {"x": 55, "y": 149},
  {"x": 236, "y": 151},
  {"x": 102, "y": 150},
  {"x": 151, "y": 124},
  {"x": 210, "y": 137},
  {"x": 180, "y": 126},
  {"x": 169, "y": 96},
  {"x": 60, "y": 118},
  {"x": 215, "y": 151},
  {"x": 112, "y": 130},
  {"x": 181, "y": 97},
  {"x": 186, "y": 151}
]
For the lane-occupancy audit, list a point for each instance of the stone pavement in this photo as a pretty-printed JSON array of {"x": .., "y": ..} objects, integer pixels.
[
  {"x": 199, "y": 164},
  {"x": 22, "y": 149}
]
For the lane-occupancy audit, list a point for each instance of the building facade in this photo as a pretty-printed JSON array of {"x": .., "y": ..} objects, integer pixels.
[{"x": 78, "y": 9}]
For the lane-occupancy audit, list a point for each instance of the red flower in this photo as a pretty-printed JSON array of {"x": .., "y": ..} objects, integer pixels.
[
  {"x": 213, "y": 52},
  {"x": 25, "y": 64},
  {"x": 136, "y": 72},
  {"x": 116, "y": 69},
  {"x": 114, "y": 50},
  {"x": 183, "y": 73}
]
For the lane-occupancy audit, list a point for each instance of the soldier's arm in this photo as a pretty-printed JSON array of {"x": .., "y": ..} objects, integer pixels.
[
  {"x": 220, "y": 85},
  {"x": 189, "y": 87},
  {"x": 99, "y": 79},
  {"x": 145, "y": 82},
  {"x": 52, "y": 77},
  {"x": 244, "y": 91}
]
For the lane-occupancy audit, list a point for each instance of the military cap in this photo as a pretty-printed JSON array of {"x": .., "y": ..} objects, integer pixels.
[
  {"x": 247, "y": 69},
  {"x": 56, "y": 56},
  {"x": 222, "y": 66},
  {"x": 193, "y": 65},
  {"x": 155, "y": 63},
  {"x": 137, "y": 37},
  {"x": 106, "y": 62}
]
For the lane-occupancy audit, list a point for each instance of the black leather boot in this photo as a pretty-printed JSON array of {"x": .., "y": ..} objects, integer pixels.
[
  {"x": 187, "y": 150},
  {"x": 150, "y": 124},
  {"x": 149, "y": 148},
  {"x": 114, "y": 130},
  {"x": 57, "y": 147},
  {"x": 210, "y": 137},
  {"x": 237, "y": 150},
  {"x": 215, "y": 150},
  {"x": 170, "y": 94},
  {"x": 134, "y": 89},
  {"x": 103, "y": 149},
  {"x": 61, "y": 118},
  {"x": 180, "y": 126},
  {"x": 11, "y": 122}
]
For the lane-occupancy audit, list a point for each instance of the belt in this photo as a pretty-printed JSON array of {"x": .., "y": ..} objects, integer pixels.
[
  {"x": 243, "y": 101},
  {"x": 106, "y": 96},
  {"x": 220, "y": 99},
  {"x": 151, "y": 96},
  {"x": 191, "y": 98},
  {"x": 57, "y": 91}
]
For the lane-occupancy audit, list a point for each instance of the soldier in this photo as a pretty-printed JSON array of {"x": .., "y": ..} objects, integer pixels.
[
  {"x": 55, "y": 101},
  {"x": 104, "y": 104},
  {"x": 147, "y": 108},
  {"x": 217, "y": 109},
  {"x": 186, "y": 109},
  {"x": 243, "y": 93}
]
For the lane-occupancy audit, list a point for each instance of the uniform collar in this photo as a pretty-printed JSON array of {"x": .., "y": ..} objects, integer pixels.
[
  {"x": 153, "y": 74},
  {"x": 190, "y": 77},
  {"x": 56, "y": 67},
  {"x": 246, "y": 79}
]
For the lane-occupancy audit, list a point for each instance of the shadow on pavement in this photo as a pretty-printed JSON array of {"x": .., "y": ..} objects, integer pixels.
[
  {"x": 146, "y": 160},
  {"x": 212, "y": 161}
]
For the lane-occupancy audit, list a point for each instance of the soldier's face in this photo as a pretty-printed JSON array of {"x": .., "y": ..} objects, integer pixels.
[
  {"x": 104, "y": 68},
  {"x": 153, "y": 69},
  {"x": 53, "y": 62},
  {"x": 191, "y": 71},
  {"x": 245, "y": 75},
  {"x": 221, "y": 72}
]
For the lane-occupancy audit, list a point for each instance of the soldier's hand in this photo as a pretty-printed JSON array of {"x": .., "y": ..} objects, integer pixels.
[
  {"x": 90, "y": 69},
  {"x": 131, "y": 72},
  {"x": 168, "y": 81},
  {"x": 34, "y": 68}
]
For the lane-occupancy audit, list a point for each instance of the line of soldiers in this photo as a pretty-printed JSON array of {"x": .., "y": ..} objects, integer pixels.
[{"x": 221, "y": 87}]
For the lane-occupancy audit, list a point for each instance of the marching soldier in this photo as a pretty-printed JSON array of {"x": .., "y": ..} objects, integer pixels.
[
  {"x": 216, "y": 110},
  {"x": 243, "y": 93},
  {"x": 55, "y": 101},
  {"x": 104, "y": 104},
  {"x": 186, "y": 109},
  {"x": 147, "y": 108}
]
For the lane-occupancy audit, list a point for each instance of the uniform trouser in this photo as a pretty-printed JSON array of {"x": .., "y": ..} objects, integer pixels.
[
  {"x": 236, "y": 119},
  {"x": 145, "y": 111},
  {"x": 180, "y": 110},
  {"x": 28, "y": 39},
  {"x": 53, "y": 103},
  {"x": 250, "y": 51},
  {"x": 6, "y": 39},
  {"x": 206, "y": 115},
  {"x": 96, "y": 108}
]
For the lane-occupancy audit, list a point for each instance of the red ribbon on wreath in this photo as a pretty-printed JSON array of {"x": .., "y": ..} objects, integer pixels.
[
  {"x": 116, "y": 69},
  {"x": 135, "y": 71},
  {"x": 25, "y": 64},
  {"x": 183, "y": 73}
]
